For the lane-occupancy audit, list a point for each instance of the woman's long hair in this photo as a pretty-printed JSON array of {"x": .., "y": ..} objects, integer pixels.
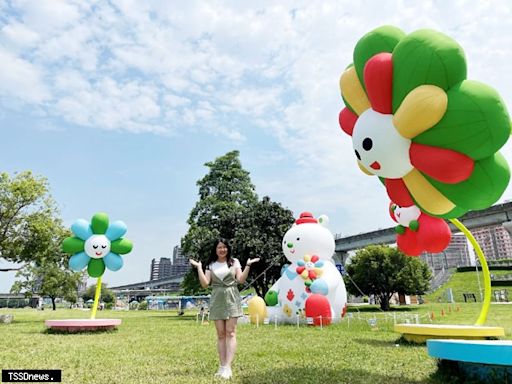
[{"x": 213, "y": 255}]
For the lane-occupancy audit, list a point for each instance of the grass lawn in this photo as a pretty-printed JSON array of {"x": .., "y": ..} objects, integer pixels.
[
  {"x": 467, "y": 282},
  {"x": 160, "y": 347}
]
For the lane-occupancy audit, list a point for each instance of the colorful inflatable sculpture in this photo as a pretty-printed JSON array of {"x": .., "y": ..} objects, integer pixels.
[
  {"x": 429, "y": 134},
  {"x": 418, "y": 232},
  {"x": 311, "y": 286}
]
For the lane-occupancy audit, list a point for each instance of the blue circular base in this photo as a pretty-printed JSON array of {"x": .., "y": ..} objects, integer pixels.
[{"x": 487, "y": 361}]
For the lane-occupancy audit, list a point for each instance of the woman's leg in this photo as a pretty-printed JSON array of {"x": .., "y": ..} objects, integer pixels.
[
  {"x": 230, "y": 340},
  {"x": 220, "y": 326}
]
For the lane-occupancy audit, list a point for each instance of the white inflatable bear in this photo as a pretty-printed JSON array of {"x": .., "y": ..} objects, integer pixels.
[{"x": 311, "y": 286}]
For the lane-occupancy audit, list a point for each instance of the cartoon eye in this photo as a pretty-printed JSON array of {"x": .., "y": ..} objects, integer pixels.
[
  {"x": 358, "y": 157},
  {"x": 103, "y": 246},
  {"x": 298, "y": 238},
  {"x": 367, "y": 144},
  {"x": 95, "y": 246}
]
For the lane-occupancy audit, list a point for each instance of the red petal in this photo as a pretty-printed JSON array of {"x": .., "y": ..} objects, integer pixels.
[
  {"x": 312, "y": 275},
  {"x": 314, "y": 258},
  {"x": 398, "y": 192},
  {"x": 299, "y": 270},
  {"x": 347, "y": 120},
  {"x": 441, "y": 164},
  {"x": 378, "y": 79}
]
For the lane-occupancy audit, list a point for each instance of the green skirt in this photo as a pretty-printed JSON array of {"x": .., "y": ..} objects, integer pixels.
[{"x": 225, "y": 303}]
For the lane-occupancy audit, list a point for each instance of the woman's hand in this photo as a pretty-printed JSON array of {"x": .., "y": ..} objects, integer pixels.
[
  {"x": 252, "y": 261},
  {"x": 196, "y": 264}
]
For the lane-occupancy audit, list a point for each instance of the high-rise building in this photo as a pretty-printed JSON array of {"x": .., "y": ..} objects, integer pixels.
[
  {"x": 495, "y": 242},
  {"x": 456, "y": 254},
  {"x": 180, "y": 263},
  {"x": 167, "y": 267}
]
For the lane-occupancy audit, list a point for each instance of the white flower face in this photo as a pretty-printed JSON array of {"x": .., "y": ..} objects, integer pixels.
[
  {"x": 97, "y": 246},
  {"x": 379, "y": 147},
  {"x": 404, "y": 215}
]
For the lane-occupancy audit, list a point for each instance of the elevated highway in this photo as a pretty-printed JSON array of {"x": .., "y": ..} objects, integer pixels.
[{"x": 495, "y": 215}]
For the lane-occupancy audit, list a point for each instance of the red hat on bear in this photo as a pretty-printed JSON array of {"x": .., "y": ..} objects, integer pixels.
[{"x": 306, "y": 217}]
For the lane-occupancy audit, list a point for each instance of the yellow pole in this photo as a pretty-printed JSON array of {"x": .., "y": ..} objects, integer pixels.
[
  {"x": 485, "y": 271},
  {"x": 96, "y": 298}
]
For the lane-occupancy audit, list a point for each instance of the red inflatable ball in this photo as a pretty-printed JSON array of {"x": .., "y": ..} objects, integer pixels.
[{"x": 318, "y": 308}]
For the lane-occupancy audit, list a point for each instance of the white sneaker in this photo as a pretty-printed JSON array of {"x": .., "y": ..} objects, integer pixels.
[
  {"x": 220, "y": 372},
  {"x": 227, "y": 373}
]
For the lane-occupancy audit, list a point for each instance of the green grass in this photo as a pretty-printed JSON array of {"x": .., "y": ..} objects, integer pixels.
[
  {"x": 462, "y": 282},
  {"x": 160, "y": 347}
]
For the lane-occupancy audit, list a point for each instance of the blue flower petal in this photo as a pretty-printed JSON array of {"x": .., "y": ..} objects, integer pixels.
[
  {"x": 113, "y": 261},
  {"x": 319, "y": 286},
  {"x": 300, "y": 263},
  {"x": 319, "y": 264},
  {"x": 116, "y": 230},
  {"x": 82, "y": 229},
  {"x": 78, "y": 261}
]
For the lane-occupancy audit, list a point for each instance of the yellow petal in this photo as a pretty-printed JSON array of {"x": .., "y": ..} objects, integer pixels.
[
  {"x": 362, "y": 168},
  {"x": 426, "y": 194},
  {"x": 421, "y": 109},
  {"x": 318, "y": 271},
  {"x": 307, "y": 258},
  {"x": 353, "y": 91},
  {"x": 305, "y": 274}
]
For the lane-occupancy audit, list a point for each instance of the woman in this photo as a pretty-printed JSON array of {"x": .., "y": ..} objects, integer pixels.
[{"x": 224, "y": 273}]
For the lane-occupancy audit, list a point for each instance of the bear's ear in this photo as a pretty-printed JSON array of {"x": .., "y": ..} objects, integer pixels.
[{"x": 323, "y": 220}]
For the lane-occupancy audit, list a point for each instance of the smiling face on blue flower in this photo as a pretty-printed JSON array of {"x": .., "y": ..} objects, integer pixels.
[{"x": 97, "y": 245}]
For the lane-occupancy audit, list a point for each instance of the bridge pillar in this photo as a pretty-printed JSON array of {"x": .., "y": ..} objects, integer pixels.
[{"x": 340, "y": 257}]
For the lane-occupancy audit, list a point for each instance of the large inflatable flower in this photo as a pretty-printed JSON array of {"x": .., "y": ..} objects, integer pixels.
[
  {"x": 97, "y": 245},
  {"x": 430, "y": 135}
]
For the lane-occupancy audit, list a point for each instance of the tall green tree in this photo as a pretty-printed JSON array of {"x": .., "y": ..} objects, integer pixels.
[
  {"x": 382, "y": 271},
  {"x": 28, "y": 218},
  {"x": 225, "y": 194},
  {"x": 228, "y": 207},
  {"x": 260, "y": 235},
  {"x": 48, "y": 279}
]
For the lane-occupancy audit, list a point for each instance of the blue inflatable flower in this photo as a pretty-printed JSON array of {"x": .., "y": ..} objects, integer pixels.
[{"x": 97, "y": 245}]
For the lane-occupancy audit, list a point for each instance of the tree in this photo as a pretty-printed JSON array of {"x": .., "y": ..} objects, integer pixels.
[
  {"x": 382, "y": 270},
  {"x": 107, "y": 296},
  {"x": 27, "y": 218},
  {"x": 49, "y": 280},
  {"x": 260, "y": 235},
  {"x": 225, "y": 194},
  {"x": 228, "y": 207}
]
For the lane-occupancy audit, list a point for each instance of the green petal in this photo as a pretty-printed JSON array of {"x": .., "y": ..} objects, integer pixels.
[
  {"x": 73, "y": 245},
  {"x": 96, "y": 267},
  {"x": 382, "y": 39},
  {"x": 426, "y": 57},
  {"x": 99, "y": 223},
  {"x": 476, "y": 122},
  {"x": 121, "y": 246},
  {"x": 483, "y": 188}
]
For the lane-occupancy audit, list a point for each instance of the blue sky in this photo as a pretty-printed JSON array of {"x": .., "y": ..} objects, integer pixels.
[{"x": 120, "y": 103}]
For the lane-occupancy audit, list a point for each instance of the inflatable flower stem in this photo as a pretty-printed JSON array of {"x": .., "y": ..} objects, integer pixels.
[
  {"x": 97, "y": 245},
  {"x": 485, "y": 270}
]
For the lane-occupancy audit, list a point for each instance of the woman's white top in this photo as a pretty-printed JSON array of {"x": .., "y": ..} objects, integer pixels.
[{"x": 221, "y": 270}]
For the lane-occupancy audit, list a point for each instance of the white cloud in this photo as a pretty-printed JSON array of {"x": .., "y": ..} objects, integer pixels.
[
  {"x": 203, "y": 67},
  {"x": 22, "y": 80}
]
